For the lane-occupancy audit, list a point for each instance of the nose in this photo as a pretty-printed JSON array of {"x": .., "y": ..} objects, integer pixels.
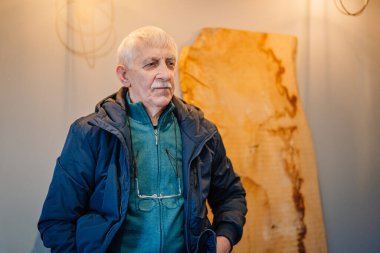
[{"x": 165, "y": 73}]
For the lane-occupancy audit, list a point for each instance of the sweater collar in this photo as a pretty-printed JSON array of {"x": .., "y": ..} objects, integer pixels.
[{"x": 138, "y": 113}]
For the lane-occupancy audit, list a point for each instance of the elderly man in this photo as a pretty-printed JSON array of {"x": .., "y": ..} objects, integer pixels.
[{"x": 135, "y": 175}]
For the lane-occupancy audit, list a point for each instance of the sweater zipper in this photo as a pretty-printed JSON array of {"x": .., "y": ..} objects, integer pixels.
[
  {"x": 156, "y": 132},
  {"x": 156, "y": 135}
]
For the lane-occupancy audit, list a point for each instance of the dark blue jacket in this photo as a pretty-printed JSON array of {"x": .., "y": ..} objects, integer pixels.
[{"x": 88, "y": 196}]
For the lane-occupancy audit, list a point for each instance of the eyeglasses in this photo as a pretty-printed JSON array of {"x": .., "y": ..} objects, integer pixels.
[
  {"x": 171, "y": 159},
  {"x": 155, "y": 196}
]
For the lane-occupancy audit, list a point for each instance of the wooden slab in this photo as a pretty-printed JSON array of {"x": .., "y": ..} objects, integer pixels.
[{"x": 245, "y": 82}]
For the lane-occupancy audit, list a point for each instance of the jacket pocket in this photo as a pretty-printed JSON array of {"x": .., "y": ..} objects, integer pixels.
[
  {"x": 203, "y": 237},
  {"x": 206, "y": 242},
  {"x": 91, "y": 231}
]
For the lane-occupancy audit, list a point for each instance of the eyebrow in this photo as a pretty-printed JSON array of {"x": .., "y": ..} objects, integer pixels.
[
  {"x": 147, "y": 60},
  {"x": 172, "y": 58}
]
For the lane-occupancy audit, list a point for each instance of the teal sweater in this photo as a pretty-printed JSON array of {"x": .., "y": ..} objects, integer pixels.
[{"x": 154, "y": 224}]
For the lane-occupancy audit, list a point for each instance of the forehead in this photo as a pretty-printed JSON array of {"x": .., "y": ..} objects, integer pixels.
[{"x": 145, "y": 51}]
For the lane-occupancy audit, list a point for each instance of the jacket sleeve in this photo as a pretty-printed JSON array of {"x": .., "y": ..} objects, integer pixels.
[
  {"x": 227, "y": 196},
  {"x": 68, "y": 193}
]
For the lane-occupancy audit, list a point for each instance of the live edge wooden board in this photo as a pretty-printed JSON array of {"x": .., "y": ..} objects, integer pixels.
[{"x": 245, "y": 82}]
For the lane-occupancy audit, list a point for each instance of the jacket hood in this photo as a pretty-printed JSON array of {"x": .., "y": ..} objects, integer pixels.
[
  {"x": 192, "y": 120},
  {"x": 113, "y": 110}
]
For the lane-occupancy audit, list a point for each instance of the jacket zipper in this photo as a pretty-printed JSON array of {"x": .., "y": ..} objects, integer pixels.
[
  {"x": 116, "y": 133},
  {"x": 198, "y": 151}
]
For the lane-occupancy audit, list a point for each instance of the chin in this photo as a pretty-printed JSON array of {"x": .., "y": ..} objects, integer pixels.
[{"x": 163, "y": 101}]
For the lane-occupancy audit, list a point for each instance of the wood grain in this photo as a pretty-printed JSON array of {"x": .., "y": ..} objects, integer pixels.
[{"x": 245, "y": 82}]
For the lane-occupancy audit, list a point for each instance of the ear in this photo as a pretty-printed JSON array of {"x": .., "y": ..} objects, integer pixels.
[{"x": 121, "y": 73}]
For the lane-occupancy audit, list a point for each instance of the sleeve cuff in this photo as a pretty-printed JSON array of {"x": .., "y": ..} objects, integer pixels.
[{"x": 229, "y": 231}]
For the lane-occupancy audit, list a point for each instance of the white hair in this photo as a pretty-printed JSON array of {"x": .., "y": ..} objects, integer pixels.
[{"x": 150, "y": 36}]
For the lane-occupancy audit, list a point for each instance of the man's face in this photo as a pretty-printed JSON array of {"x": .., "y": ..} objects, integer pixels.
[{"x": 151, "y": 77}]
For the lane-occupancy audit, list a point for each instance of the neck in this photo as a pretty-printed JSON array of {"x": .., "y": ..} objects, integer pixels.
[{"x": 154, "y": 114}]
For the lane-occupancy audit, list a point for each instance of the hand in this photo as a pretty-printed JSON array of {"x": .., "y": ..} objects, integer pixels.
[{"x": 222, "y": 245}]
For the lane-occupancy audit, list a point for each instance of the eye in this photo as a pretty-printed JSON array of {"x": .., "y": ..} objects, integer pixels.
[
  {"x": 150, "y": 65},
  {"x": 170, "y": 64}
]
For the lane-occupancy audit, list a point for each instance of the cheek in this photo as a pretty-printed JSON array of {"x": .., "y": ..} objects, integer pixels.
[{"x": 144, "y": 84}]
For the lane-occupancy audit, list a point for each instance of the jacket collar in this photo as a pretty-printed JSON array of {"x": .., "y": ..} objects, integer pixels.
[
  {"x": 192, "y": 121},
  {"x": 113, "y": 111}
]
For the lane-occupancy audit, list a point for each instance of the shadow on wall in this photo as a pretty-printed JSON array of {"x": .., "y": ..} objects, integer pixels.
[{"x": 38, "y": 246}]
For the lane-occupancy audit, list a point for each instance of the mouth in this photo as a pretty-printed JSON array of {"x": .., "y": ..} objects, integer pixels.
[{"x": 161, "y": 88}]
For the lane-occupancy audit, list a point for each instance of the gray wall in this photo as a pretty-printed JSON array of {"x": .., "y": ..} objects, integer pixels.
[
  {"x": 43, "y": 88},
  {"x": 342, "y": 99}
]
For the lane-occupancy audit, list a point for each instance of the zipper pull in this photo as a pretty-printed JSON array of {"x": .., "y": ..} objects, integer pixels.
[{"x": 156, "y": 135}]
